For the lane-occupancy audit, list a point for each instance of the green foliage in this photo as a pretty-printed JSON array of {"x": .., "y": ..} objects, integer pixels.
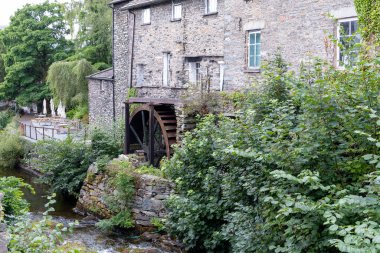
[
  {"x": 13, "y": 202},
  {"x": 294, "y": 172},
  {"x": 107, "y": 143},
  {"x": 79, "y": 112},
  {"x": 67, "y": 81},
  {"x": 149, "y": 170},
  {"x": 369, "y": 18},
  {"x": 64, "y": 164},
  {"x": 5, "y": 118},
  {"x": 34, "y": 39},
  {"x": 93, "y": 40},
  {"x": 11, "y": 149},
  {"x": 44, "y": 235},
  {"x": 158, "y": 223},
  {"x": 120, "y": 202}
]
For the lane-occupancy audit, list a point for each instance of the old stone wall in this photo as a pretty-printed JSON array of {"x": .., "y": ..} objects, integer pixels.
[
  {"x": 100, "y": 95},
  {"x": 299, "y": 29},
  {"x": 148, "y": 202}
]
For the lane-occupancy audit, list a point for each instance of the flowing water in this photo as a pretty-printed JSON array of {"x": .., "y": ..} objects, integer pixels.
[{"x": 85, "y": 233}]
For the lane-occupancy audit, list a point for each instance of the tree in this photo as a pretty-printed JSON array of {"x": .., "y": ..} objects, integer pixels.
[
  {"x": 2, "y": 67},
  {"x": 93, "y": 40},
  {"x": 67, "y": 81},
  {"x": 34, "y": 39}
]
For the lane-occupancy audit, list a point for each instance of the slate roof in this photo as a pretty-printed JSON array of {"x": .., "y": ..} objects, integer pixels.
[{"x": 106, "y": 74}]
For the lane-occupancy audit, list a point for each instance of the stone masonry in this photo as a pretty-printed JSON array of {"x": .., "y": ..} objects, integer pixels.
[
  {"x": 217, "y": 42},
  {"x": 148, "y": 203}
]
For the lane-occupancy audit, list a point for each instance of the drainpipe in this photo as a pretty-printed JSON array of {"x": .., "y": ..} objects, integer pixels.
[
  {"x": 132, "y": 49},
  {"x": 113, "y": 66}
]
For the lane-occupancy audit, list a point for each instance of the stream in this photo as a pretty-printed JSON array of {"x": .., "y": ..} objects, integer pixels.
[{"x": 86, "y": 232}]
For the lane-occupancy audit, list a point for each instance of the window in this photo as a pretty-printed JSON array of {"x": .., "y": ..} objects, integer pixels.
[
  {"x": 195, "y": 72},
  {"x": 166, "y": 70},
  {"x": 140, "y": 74},
  {"x": 254, "y": 49},
  {"x": 211, "y": 6},
  {"x": 102, "y": 85},
  {"x": 177, "y": 12},
  {"x": 347, "y": 38},
  {"x": 146, "y": 16}
]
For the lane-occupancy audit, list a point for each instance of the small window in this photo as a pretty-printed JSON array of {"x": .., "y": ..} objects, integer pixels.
[
  {"x": 254, "y": 49},
  {"x": 348, "y": 37},
  {"x": 211, "y": 6},
  {"x": 140, "y": 74},
  {"x": 195, "y": 76},
  {"x": 166, "y": 69},
  {"x": 177, "y": 12},
  {"x": 146, "y": 16},
  {"x": 102, "y": 85}
]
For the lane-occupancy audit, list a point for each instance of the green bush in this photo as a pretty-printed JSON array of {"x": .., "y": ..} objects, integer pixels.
[
  {"x": 13, "y": 202},
  {"x": 294, "y": 173},
  {"x": 27, "y": 235},
  {"x": 64, "y": 164},
  {"x": 5, "y": 118},
  {"x": 11, "y": 149},
  {"x": 107, "y": 142}
]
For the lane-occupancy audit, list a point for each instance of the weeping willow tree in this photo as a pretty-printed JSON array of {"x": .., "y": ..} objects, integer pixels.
[{"x": 67, "y": 81}]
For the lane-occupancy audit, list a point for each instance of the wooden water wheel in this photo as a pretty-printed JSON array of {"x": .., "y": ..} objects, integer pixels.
[{"x": 152, "y": 130}]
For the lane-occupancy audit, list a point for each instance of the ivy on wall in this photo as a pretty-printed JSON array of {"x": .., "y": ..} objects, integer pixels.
[{"x": 369, "y": 17}]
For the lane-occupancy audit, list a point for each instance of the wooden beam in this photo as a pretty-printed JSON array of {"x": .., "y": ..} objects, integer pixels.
[
  {"x": 155, "y": 101},
  {"x": 151, "y": 134},
  {"x": 127, "y": 134}
]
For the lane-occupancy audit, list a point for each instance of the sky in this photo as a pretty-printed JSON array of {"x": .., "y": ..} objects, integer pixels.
[{"x": 9, "y": 7}]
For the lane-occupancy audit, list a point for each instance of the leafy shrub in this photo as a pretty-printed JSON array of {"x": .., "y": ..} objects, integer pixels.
[
  {"x": 107, "y": 142},
  {"x": 11, "y": 149},
  {"x": 64, "y": 164},
  {"x": 5, "y": 118},
  {"x": 289, "y": 174},
  {"x": 13, "y": 202},
  {"x": 38, "y": 236}
]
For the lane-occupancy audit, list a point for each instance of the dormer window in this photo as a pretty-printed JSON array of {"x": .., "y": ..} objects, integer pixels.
[
  {"x": 211, "y": 6},
  {"x": 146, "y": 16}
]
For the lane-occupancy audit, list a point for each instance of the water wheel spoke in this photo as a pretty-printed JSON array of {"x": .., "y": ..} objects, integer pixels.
[{"x": 137, "y": 136}]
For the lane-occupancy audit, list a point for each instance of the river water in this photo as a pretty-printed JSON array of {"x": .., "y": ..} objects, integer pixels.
[{"x": 85, "y": 233}]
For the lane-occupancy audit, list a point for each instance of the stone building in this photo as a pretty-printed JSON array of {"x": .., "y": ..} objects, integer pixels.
[{"x": 166, "y": 49}]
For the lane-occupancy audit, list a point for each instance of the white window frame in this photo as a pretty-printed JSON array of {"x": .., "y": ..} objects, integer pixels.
[
  {"x": 166, "y": 69},
  {"x": 256, "y": 66},
  {"x": 195, "y": 76},
  {"x": 208, "y": 6},
  {"x": 338, "y": 50},
  {"x": 174, "y": 16},
  {"x": 146, "y": 16}
]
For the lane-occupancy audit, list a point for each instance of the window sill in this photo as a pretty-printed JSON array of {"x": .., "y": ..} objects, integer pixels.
[
  {"x": 210, "y": 14},
  {"x": 160, "y": 87},
  {"x": 252, "y": 70},
  {"x": 176, "y": 20},
  {"x": 144, "y": 24}
]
